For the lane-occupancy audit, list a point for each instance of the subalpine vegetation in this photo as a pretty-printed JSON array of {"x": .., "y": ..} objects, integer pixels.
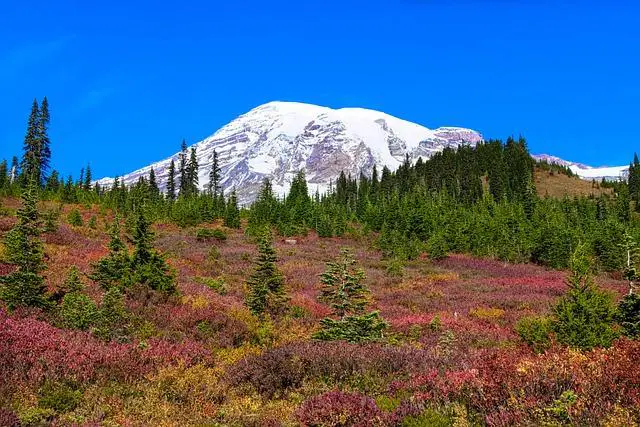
[{"x": 446, "y": 292}]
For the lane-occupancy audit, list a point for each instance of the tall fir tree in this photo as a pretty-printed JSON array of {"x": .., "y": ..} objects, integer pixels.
[
  {"x": 31, "y": 149},
  {"x": 87, "y": 178},
  {"x": 44, "y": 144},
  {"x": 153, "y": 185},
  {"x": 214, "y": 176},
  {"x": 25, "y": 286},
  {"x": 171, "y": 181},
  {"x": 191, "y": 187},
  {"x": 182, "y": 165}
]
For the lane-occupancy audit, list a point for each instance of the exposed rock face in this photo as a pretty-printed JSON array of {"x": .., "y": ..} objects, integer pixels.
[{"x": 278, "y": 139}]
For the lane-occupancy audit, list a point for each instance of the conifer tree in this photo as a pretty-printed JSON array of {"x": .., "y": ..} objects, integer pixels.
[
  {"x": 153, "y": 185},
  {"x": 342, "y": 287},
  {"x": 113, "y": 270},
  {"x": 77, "y": 310},
  {"x": 25, "y": 286},
  {"x": 585, "y": 314},
  {"x": 149, "y": 267},
  {"x": 634, "y": 180},
  {"x": 44, "y": 143},
  {"x": 628, "y": 313},
  {"x": 31, "y": 156},
  {"x": 266, "y": 293},
  {"x": 87, "y": 179},
  {"x": 232, "y": 213},
  {"x": 214, "y": 176},
  {"x": 263, "y": 209},
  {"x": 183, "y": 167},
  {"x": 191, "y": 187},
  {"x": 171, "y": 181},
  {"x": 348, "y": 298},
  {"x": 112, "y": 319}
]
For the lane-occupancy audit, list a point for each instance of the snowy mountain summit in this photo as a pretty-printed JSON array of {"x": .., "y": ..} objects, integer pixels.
[{"x": 278, "y": 139}]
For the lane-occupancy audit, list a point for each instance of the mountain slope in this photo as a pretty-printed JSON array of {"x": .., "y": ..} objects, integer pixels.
[
  {"x": 278, "y": 139},
  {"x": 587, "y": 172}
]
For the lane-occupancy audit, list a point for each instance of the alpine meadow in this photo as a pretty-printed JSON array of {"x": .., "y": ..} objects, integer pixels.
[
  {"x": 271, "y": 215},
  {"x": 446, "y": 291}
]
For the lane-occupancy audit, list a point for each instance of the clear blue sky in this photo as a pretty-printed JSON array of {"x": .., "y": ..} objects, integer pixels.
[{"x": 127, "y": 81}]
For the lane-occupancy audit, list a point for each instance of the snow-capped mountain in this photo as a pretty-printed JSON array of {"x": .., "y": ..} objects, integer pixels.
[
  {"x": 278, "y": 139},
  {"x": 610, "y": 173}
]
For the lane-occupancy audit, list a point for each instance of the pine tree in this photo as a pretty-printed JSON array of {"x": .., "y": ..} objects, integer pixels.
[
  {"x": 171, "y": 182},
  {"x": 149, "y": 267},
  {"x": 77, "y": 310},
  {"x": 634, "y": 180},
  {"x": 44, "y": 149},
  {"x": 25, "y": 286},
  {"x": 183, "y": 168},
  {"x": 153, "y": 185},
  {"x": 191, "y": 187},
  {"x": 87, "y": 179},
  {"x": 214, "y": 176},
  {"x": 232, "y": 213},
  {"x": 266, "y": 284},
  {"x": 112, "y": 319},
  {"x": 585, "y": 314},
  {"x": 31, "y": 156},
  {"x": 348, "y": 297},
  {"x": 342, "y": 287},
  {"x": 114, "y": 269}
]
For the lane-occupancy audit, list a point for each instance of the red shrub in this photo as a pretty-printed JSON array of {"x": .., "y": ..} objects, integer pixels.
[
  {"x": 8, "y": 418},
  {"x": 336, "y": 408},
  {"x": 32, "y": 351},
  {"x": 285, "y": 368}
]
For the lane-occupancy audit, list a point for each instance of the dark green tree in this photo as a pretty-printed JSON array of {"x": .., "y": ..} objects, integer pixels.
[
  {"x": 153, "y": 185},
  {"x": 585, "y": 314},
  {"x": 348, "y": 297},
  {"x": 25, "y": 286},
  {"x": 44, "y": 148},
  {"x": 171, "y": 181},
  {"x": 77, "y": 310},
  {"x": 232, "y": 213},
  {"x": 149, "y": 267},
  {"x": 182, "y": 168},
  {"x": 87, "y": 179},
  {"x": 113, "y": 322},
  {"x": 266, "y": 292},
  {"x": 114, "y": 269},
  {"x": 31, "y": 161},
  {"x": 214, "y": 176},
  {"x": 191, "y": 186}
]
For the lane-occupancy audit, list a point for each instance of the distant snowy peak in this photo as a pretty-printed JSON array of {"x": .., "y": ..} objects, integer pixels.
[
  {"x": 587, "y": 172},
  {"x": 278, "y": 139}
]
